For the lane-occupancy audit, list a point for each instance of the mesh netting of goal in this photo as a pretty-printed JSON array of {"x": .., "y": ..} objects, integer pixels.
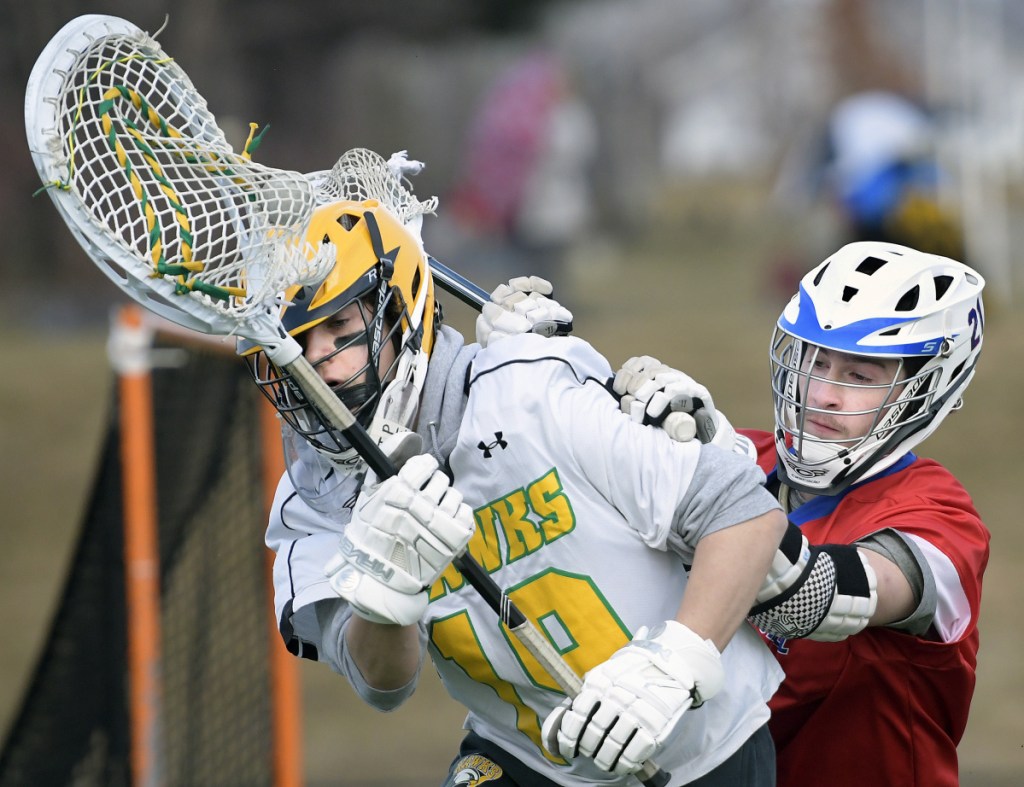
[{"x": 215, "y": 722}]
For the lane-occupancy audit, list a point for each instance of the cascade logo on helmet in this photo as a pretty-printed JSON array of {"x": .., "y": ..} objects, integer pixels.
[{"x": 880, "y": 336}]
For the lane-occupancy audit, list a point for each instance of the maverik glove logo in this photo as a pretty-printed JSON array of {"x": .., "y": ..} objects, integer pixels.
[
  {"x": 371, "y": 565},
  {"x": 498, "y": 443}
]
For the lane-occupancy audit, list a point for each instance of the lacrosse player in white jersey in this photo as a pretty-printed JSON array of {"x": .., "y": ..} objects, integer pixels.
[{"x": 636, "y": 555}]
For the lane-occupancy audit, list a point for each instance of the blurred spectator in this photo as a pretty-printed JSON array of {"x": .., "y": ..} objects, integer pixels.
[
  {"x": 874, "y": 175},
  {"x": 883, "y": 174},
  {"x": 524, "y": 189}
]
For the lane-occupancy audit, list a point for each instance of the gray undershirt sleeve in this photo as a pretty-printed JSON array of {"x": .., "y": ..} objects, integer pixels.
[
  {"x": 726, "y": 489},
  {"x": 907, "y": 556},
  {"x": 332, "y": 615}
]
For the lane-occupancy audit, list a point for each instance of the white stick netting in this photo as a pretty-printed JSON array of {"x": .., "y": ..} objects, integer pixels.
[
  {"x": 361, "y": 175},
  {"x": 145, "y": 157}
]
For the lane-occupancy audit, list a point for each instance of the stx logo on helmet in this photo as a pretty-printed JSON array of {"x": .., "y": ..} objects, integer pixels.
[
  {"x": 806, "y": 472},
  {"x": 498, "y": 443}
]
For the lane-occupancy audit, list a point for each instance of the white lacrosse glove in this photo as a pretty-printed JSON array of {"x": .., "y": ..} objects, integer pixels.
[
  {"x": 653, "y": 393},
  {"x": 403, "y": 533},
  {"x": 522, "y": 306},
  {"x": 630, "y": 704}
]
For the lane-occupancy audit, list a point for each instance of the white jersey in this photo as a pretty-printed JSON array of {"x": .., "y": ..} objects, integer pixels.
[{"x": 588, "y": 521}]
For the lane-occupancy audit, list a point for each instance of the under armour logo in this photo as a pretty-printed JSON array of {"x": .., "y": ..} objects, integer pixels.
[{"x": 486, "y": 447}]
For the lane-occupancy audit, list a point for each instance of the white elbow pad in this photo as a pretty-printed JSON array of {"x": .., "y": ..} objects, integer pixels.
[{"x": 823, "y": 593}]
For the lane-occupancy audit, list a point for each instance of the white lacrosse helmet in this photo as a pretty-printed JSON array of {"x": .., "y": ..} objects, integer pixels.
[{"x": 876, "y": 300}]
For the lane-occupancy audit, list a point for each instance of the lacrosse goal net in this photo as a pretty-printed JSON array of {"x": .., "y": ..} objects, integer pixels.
[{"x": 176, "y": 675}]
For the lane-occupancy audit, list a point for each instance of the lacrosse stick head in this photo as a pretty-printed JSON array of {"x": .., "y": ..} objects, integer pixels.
[
  {"x": 139, "y": 170},
  {"x": 367, "y": 327}
]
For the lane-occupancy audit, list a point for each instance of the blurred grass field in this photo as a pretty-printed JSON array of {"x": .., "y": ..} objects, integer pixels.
[{"x": 706, "y": 306}]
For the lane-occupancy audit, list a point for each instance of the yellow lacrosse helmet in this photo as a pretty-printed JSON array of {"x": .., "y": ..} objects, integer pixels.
[
  {"x": 374, "y": 249},
  {"x": 381, "y": 265}
]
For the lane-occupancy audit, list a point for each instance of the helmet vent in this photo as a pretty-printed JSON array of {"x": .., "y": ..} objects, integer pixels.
[
  {"x": 348, "y": 221},
  {"x": 909, "y": 300},
  {"x": 942, "y": 284},
  {"x": 870, "y": 265},
  {"x": 848, "y": 293},
  {"x": 416, "y": 278},
  {"x": 821, "y": 273}
]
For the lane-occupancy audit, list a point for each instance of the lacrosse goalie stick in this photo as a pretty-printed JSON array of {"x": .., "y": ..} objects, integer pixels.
[{"x": 205, "y": 237}]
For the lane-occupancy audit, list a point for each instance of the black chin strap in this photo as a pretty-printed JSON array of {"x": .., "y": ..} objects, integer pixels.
[{"x": 384, "y": 260}]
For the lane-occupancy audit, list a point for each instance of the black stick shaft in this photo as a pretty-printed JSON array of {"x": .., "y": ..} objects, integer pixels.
[{"x": 458, "y": 285}]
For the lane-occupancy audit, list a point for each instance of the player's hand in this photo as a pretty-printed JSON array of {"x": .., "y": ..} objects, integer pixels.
[
  {"x": 403, "y": 533},
  {"x": 522, "y": 306},
  {"x": 652, "y": 393},
  {"x": 630, "y": 704}
]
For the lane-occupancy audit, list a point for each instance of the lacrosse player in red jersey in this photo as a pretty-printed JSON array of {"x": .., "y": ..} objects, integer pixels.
[
  {"x": 637, "y": 556},
  {"x": 871, "y": 605}
]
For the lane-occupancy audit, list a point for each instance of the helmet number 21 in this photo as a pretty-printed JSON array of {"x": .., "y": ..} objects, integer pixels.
[{"x": 976, "y": 319}]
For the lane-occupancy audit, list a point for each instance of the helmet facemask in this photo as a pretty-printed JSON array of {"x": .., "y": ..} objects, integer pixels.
[
  {"x": 381, "y": 317},
  {"x": 822, "y": 464}
]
